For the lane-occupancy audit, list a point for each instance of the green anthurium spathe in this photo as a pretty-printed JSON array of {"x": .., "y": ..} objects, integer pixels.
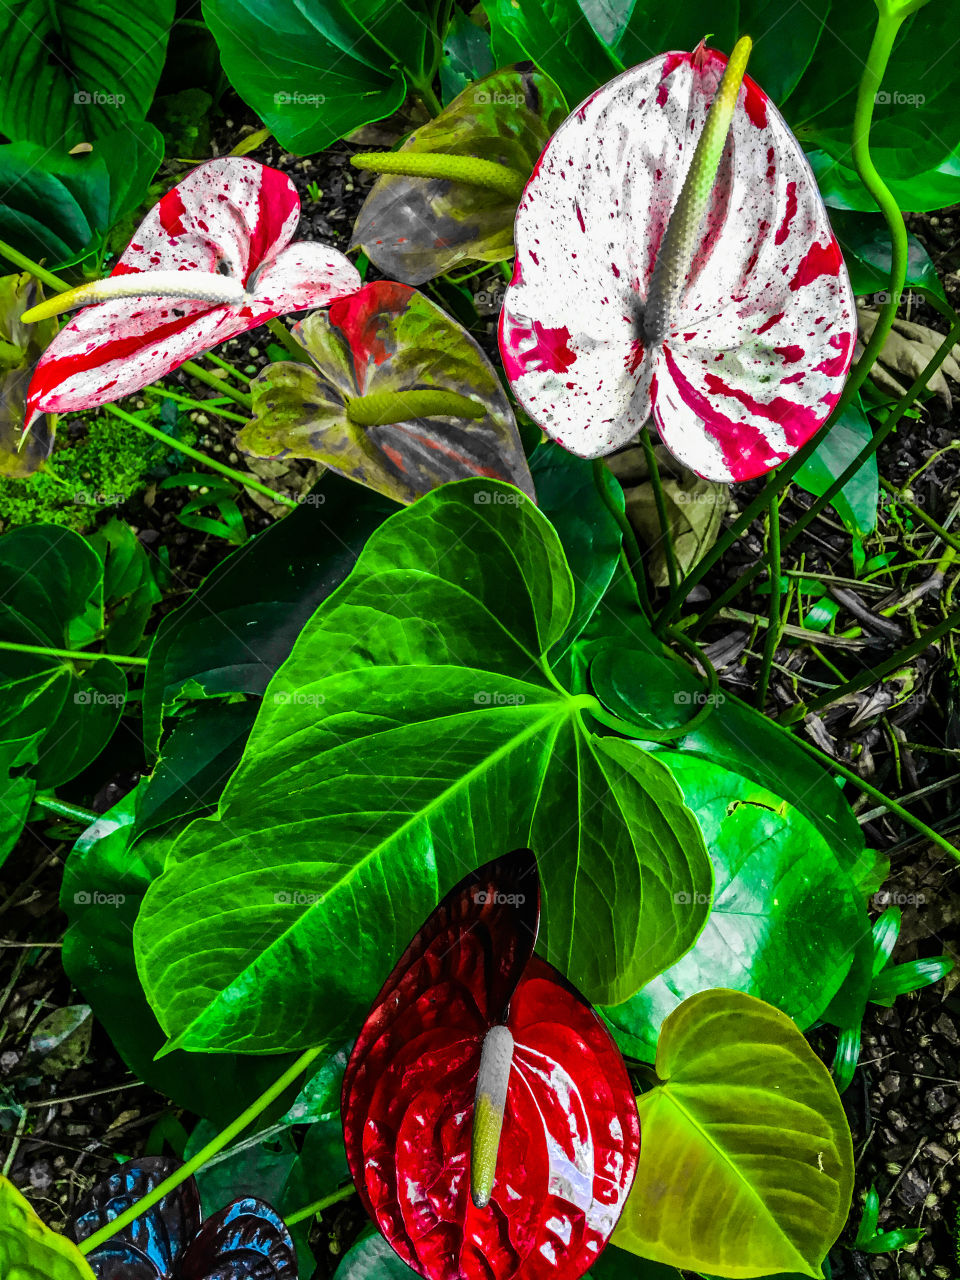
[
  {"x": 746, "y": 1166},
  {"x": 400, "y": 398},
  {"x": 428, "y": 210},
  {"x": 29, "y": 1250}
]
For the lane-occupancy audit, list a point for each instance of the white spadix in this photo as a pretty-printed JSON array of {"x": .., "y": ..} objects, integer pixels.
[
  {"x": 496, "y": 1059},
  {"x": 205, "y": 286}
]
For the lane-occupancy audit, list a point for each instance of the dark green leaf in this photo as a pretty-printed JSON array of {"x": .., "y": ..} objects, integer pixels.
[
  {"x": 555, "y": 35},
  {"x": 427, "y": 747},
  {"x": 865, "y": 241},
  {"x": 903, "y": 978},
  {"x": 466, "y": 55},
  {"x": 108, "y": 58},
  {"x": 371, "y": 1258},
  {"x": 856, "y": 503},
  {"x": 313, "y": 73}
]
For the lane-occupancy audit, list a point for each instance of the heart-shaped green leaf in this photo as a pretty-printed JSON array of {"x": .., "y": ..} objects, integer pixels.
[
  {"x": 856, "y": 503},
  {"x": 412, "y": 752},
  {"x": 313, "y": 73},
  {"x": 746, "y": 1167},
  {"x": 29, "y": 1250},
  {"x": 415, "y": 228},
  {"x": 384, "y": 339},
  {"x": 785, "y": 918}
]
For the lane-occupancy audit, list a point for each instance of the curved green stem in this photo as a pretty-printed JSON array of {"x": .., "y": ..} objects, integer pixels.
[
  {"x": 436, "y": 164},
  {"x": 64, "y": 810},
  {"x": 228, "y": 368},
  {"x": 318, "y": 1206},
  {"x": 239, "y": 477},
  {"x": 287, "y": 340},
  {"x": 772, "y": 638},
  {"x": 385, "y": 407},
  {"x": 27, "y": 264},
  {"x": 887, "y": 26},
  {"x": 220, "y": 384},
  {"x": 206, "y": 406},
  {"x": 76, "y": 655},
  {"x": 203, "y": 1155},
  {"x": 673, "y": 573}
]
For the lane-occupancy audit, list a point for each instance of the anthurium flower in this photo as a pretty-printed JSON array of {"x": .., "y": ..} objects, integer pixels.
[
  {"x": 398, "y": 397},
  {"x": 245, "y": 1239},
  {"x": 675, "y": 260},
  {"x": 211, "y": 260},
  {"x": 489, "y": 1121}
]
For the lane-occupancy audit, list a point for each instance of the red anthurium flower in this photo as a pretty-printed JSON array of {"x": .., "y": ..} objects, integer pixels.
[
  {"x": 211, "y": 260},
  {"x": 674, "y": 267},
  {"x": 490, "y": 1125}
]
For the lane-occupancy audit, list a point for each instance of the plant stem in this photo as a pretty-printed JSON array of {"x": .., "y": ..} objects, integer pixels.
[
  {"x": 287, "y": 340},
  {"x": 772, "y": 638},
  {"x": 430, "y": 99},
  {"x": 239, "y": 477},
  {"x": 65, "y": 810},
  {"x": 221, "y": 385},
  {"x": 876, "y": 64},
  {"x": 75, "y": 654},
  {"x": 318, "y": 1206},
  {"x": 660, "y": 503},
  {"x": 918, "y": 513},
  {"x": 27, "y": 264},
  {"x": 228, "y": 368},
  {"x": 207, "y": 406},
  {"x": 197, "y": 1161}
]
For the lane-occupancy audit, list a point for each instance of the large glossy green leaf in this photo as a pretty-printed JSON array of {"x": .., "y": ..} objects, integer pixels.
[
  {"x": 466, "y": 54},
  {"x": 786, "y": 917},
  {"x": 417, "y": 228},
  {"x": 109, "y": 54},
  {"x": 557, "y": 36},
  {"x": 51, "y": 596},
  {"x": 384, "y": 339},
  {"x": 103, "y": 885},
  {"x": 415, "y": 730},
  {"x": 233, "y": 632},
  {"x": 29, "y": 1250},
  {"x": 913, "y": 140},
  {"x": 315, "y": 72},
  {"x": 647, "y": 686},
  {"x": 856, "y": 503},
  {"x": 746, "y": 1167},
  {"x": 372, "y": 1258}
]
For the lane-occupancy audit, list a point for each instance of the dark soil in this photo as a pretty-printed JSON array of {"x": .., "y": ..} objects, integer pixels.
[{"x": 904, "y": 1103}]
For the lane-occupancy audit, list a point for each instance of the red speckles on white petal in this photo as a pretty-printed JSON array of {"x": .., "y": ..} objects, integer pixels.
[
  {"x": 766, "y": 327},
  {"x": 230, "y": 215}
]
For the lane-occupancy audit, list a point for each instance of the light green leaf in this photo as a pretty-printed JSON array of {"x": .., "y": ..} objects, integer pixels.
[
  {"x": 392, "y": 753},
  {"x": 746, "y": 1167},
  {"x": 29, "y": 1250},
  {"x": 856, "y": 503}
]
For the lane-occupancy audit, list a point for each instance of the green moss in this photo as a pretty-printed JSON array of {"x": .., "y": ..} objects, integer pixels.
[{"x": 104, "y": 469}]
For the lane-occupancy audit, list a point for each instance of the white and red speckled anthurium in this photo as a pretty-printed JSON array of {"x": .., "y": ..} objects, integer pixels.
[
  {"x": 211, "y": 260},
  {"x": 674, "y": 260},
  {"x": 489, "y": 1121}
]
